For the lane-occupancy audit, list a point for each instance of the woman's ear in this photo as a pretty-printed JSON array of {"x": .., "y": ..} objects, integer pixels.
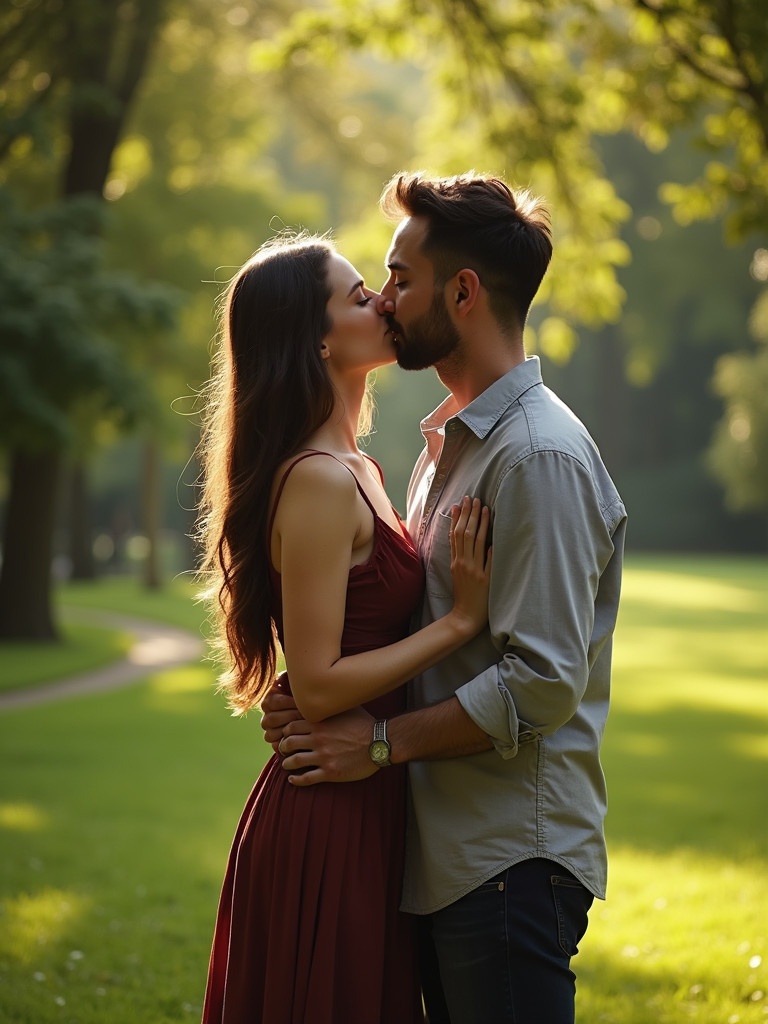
[{"x": 324, "y": 350}]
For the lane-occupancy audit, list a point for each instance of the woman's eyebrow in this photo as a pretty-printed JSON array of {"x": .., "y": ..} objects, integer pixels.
[{"x": 355, "y": 286}]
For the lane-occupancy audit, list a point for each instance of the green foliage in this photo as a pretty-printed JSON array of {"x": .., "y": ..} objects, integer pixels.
[
  {"x": 715, "y": 59},
  {"x": 255, "y": 114},
  {"x": 64, "y": 320},
  {"x": 529, "y": 87}
]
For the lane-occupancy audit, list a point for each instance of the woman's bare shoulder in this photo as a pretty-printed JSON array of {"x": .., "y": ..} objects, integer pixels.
[{"x": 319, "y": 479}]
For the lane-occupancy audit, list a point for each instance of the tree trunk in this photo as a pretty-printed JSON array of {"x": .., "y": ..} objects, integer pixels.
[
  {"x": 151, "y": 512},
  {"x": 112, "y": 53},
  {"x": 26, "y": 602},
  {"x": 108, "y": 47},
  {"x": 611, "y": 398},
  {"x": 79, "y": 525}
]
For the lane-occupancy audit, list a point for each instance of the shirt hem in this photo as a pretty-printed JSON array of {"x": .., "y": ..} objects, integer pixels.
[{"x": 597, "y": 891}]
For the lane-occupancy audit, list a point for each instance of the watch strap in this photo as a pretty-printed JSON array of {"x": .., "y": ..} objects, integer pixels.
[{"x": 379, "y": 750}]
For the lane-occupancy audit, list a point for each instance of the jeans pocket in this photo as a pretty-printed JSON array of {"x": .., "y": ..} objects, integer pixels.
[
  {"x": 495, "y": 884},
  {"x": 572, "y": 903}
]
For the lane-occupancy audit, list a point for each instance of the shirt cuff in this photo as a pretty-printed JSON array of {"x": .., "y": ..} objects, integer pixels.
[{"x": 489, "y": 704}]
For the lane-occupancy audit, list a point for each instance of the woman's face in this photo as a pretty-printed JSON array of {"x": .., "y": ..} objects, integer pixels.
[{"x": 359, "y": 338}]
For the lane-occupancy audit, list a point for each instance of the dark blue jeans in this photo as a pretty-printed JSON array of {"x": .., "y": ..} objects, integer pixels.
[{"x": 501, "y": 954}]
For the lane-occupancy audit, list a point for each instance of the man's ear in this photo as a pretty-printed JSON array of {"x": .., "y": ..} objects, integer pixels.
[{"x": 465, "y": 287}]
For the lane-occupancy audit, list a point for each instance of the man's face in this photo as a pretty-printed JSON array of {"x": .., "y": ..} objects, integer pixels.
[{"x": 423, "y": 332}]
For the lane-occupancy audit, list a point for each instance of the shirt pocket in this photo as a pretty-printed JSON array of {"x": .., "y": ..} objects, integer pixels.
[{"x": 438, "y": 562}]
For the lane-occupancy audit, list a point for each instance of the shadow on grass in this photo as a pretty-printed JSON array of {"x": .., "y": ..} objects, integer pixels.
[
  {"x": 119, "y": 811},
  {"x": 116, "y": 814},
  {"x": 615, "y": 989},
  {"x": 687, "y": 776}
]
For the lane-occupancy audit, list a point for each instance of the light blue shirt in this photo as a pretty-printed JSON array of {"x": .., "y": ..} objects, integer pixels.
[{"x": 537, "y": 680}]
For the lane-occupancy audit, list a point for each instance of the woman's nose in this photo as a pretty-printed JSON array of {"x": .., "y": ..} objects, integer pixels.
[{"x": 384, "y": 305}]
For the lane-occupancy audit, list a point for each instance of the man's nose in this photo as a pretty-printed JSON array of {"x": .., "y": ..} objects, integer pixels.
[{"x": 384, "y": 305}]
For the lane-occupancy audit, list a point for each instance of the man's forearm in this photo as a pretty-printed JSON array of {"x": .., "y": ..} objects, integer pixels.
[
  {"x": 336, "y": 750},
  {"x": 431, "y": 734}
]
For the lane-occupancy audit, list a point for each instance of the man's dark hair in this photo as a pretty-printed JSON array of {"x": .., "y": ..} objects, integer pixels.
[{"x": 477, "y": 221}]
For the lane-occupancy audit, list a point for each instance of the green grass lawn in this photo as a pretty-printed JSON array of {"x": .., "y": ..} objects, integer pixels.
[
  {"x": 116, "y": 813},
  {"x": 173, "y": 603},
  {"x": 87, "y": 644},
  {"x": 83, "y": 647}
]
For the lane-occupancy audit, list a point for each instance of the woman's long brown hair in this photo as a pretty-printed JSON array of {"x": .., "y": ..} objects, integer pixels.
[{"x": 269, "y": 391}]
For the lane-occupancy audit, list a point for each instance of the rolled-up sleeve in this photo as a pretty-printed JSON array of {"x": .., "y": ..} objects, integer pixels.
[{"x": 551, "y": 543}]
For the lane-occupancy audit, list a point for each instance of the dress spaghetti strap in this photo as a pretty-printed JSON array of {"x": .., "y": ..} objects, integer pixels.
[{"x": 306, "y": 455}]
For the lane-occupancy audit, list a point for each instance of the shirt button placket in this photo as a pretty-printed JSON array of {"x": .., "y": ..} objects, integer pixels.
[{"x": 439, "y": 478}]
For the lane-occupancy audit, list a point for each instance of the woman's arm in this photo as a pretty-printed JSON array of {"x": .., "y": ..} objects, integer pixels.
[{"x": 322, "y": 531}]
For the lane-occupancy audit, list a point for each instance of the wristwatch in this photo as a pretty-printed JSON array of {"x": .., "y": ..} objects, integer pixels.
[{"x": 380, "y": 749}]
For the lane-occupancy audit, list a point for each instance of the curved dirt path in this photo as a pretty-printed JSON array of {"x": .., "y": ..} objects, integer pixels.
[{"x": 156, "y": 646}]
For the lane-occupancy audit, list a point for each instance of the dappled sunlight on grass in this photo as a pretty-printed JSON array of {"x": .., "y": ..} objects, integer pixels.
[
  {"x": 694, "y": 779},
  {"x": 645, "y": 645},
  {"x": 705, "y": 911},
  {"x": 32, "y": 921},
  {"x": 754, "y": 745},
  {"x": 685, "y": 745},
  {"x": 191, "y": 679},
  {"x": 715, "y": 657},
  {"x": 669, "y": 589},
  {"x": 131, "y": 798},
  {"x": 22, "y": 817},
  {"x": 682, "y": 935},
  {"x": 642, "y": 745}
]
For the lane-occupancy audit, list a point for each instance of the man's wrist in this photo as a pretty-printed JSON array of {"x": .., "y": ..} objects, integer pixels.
[
  {"x": 439, "y": 732},
  {"x": 379, "y": 749}
]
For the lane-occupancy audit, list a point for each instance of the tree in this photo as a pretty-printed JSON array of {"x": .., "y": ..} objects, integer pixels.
[
  {"x": 75, "y": 68},
  {"x": 739, "y": 451},
  {"x": 713, "y": 57},
  {"x": 537, "y": 90},
  {"x": 532, "y": 88},
  {"x": 70, "y": 74},
  {"x": 60, "y": 371}
]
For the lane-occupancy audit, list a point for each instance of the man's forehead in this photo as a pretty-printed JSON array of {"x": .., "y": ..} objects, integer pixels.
[{"x": 405, "y": 247}]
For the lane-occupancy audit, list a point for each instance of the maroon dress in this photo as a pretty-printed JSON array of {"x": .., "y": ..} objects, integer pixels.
[{"x": 308, "y": 929}]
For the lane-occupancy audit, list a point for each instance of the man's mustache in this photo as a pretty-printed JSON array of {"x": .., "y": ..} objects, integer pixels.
[{"x": 392, "y": 324}]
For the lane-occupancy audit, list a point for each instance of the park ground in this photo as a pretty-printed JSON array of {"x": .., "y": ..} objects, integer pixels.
[{"x": 117, "y": 809}]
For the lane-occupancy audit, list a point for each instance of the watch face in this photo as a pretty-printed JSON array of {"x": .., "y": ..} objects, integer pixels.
[{"x": 379, "y": 752}]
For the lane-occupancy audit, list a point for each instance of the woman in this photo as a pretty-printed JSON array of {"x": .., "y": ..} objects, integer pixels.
[{"x": 303, "y": 547}]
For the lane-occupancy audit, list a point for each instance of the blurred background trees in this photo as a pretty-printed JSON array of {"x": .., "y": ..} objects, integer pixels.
[{"x": 147, "y": 147}]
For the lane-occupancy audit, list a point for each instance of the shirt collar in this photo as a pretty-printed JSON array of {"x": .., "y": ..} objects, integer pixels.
[{"x": 483, "y": 413}]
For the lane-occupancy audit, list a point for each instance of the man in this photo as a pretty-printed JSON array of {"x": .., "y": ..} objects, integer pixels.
[{"x": 505, "y": 849}]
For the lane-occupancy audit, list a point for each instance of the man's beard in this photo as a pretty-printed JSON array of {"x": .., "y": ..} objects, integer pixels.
[{"x": 428, "y": 340}]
